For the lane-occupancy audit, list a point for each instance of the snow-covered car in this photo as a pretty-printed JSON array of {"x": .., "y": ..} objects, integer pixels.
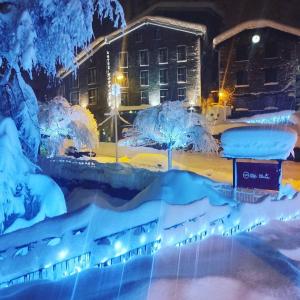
[{"x": 72, "y": 151}]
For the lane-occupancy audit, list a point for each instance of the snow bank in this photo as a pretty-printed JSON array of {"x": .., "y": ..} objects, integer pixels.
[
  {"x": 275, "y": 118},
  {"x": 25, "y": 197},
  {"x": 245, "y": 267},
  {"x": 258, "y": 142}
]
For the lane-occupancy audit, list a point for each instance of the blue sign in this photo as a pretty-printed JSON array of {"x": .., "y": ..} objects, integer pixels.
[{"x": 258, "y": 175}]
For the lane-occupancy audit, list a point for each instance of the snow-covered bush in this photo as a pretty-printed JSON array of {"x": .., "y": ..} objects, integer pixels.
[
  {"x": 59, "y": 121},
  {"x": 42, "y": 34},
  {"x": 25, "y": 197},
  {"x": 172, "y": 125}
]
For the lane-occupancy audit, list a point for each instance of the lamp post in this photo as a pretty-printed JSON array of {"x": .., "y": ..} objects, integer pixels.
[{"x": 116, "y": 91}]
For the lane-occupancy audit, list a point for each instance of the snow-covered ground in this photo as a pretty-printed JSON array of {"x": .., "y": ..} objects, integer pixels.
[{"x": 259, "y": 265}]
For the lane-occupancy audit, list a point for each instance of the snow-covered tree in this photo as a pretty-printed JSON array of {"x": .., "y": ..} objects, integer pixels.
[
  {"x": 172, "y": 125},
  {"x": 59, "y": 121},
  {"x": 42, "y": 34},
  {"x": 25, "y": 197}
]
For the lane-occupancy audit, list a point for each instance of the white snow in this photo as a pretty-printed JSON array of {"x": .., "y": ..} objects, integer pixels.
[
  {"x": 275, "y": 118},
  {"x": 248, "y": 266},
  {"x": 172, "y": 125},
  {"x": 25, "y": 197},
  {"x": 258, "y": 142},
  {"x": 60, "y": 121}
]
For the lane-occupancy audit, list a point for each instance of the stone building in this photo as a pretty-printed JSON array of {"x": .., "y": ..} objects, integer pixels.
[
  {"x": 259, "y": 63},
  {"x": 159, "y": 59}
]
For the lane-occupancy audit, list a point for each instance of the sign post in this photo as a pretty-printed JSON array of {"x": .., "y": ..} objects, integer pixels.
[{"x": 257, "y": 175}]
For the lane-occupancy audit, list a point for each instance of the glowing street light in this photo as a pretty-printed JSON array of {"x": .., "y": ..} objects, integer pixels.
[
  {"x": 255, "y": 39},
  {"x": 115, "y": 91}
]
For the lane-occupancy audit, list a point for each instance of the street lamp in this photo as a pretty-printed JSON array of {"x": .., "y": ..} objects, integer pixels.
[
  {"x": 117, "y": 79},
  {"x": 116, "y": 91}
]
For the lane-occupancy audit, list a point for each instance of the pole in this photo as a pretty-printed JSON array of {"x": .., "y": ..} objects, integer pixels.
[{"x": 116, "y": 130}]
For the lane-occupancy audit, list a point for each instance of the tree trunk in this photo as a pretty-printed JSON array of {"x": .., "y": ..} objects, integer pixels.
[{"x": 169, "y": 157}]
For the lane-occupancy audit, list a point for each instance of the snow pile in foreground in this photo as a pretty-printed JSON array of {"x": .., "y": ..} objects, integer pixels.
[
  {"x": 173, "y": 187},
  {"x": 258, "y": 142},
  {"x": 25, "y": 196},
  {"x": 248, "y": 267}
]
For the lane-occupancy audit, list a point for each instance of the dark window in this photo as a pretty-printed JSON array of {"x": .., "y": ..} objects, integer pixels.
[
  {"x": 181, "y": 53},
  {"x": 163, "y": 76},
  {"x": 242, "y": 52},
  {"x": 123, "y": 59},
  {"x": 144, "y": 58},
  {"x": 144, "y": 77},
  {"x": 74, "y": 81},
  {"x": 271, "y": 75},
  {"x": 181, "y": 94},
  {"x": 92, "y": 96},
  {"x": 144, "y": 97},
  {"x": 164, "y": 95},
  {"x": 74, "y": 98},
  {"x": 242, "y": 78},
  {"x": 157, "y": 34},
  {"x": 271, "y": 50},
  {"x": 181, "y": 74},
  {"x": 139, "y": 37},
  {"x": 163, "y": 55},
  {"x": 92, "y": 75},
  {"x": 124, "y": 98}
]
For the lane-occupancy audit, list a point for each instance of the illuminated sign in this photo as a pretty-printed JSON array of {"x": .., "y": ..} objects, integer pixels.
[{"x": 258, "y": 175}]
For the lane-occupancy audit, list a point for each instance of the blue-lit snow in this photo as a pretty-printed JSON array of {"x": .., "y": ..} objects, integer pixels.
[
  {"x": 248, "y": 266},
  {"x": 259, "y": 142},
  {"x": 26, "y": 196}
]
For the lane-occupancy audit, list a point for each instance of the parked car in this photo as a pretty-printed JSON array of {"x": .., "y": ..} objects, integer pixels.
[{"x": 72, "y": 151}]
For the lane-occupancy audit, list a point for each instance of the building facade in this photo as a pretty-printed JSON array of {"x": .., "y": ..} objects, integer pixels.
[
  {"x": 259, "y": 64},
  {"x": 157, "y": 59}
]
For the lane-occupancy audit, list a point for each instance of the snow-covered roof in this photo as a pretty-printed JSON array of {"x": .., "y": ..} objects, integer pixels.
[
  {"x": 254, "y": 24},
  {"x": 192, "y": 28},
  {"x": 174, "y": 24}
]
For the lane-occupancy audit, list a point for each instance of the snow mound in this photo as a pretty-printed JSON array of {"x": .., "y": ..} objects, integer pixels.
[
  {"x": 25, "y": 197},
  {"x": 281, "y": 117},
  {"x": 182, "y": 187},
  {"x": 258, "y": 142}
]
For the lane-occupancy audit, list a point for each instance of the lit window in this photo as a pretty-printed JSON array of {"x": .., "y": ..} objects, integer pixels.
[
  {"x": 144, "y": 97},
  {"x": 144, "y": 77},
  {"x": 164, "y": 94},
  {"x": 92, "y": 93},
  {"x": 92, "y": 75},
  {"x": 74, "y": 98},
  {"x": 74, "y": 81},
  {"x": 163, "y": 76},
  {"x": 144, "y": 58},
  {"x": 242, "y": 52},
  {"x": 123, "y": 59},
  {"x": 271, "y": 50},
  {"x": 242, "y": 78},
  {"x": 124, "y": 98},
  {"x": 181, "y": 53},
  {"x": 163, "y": 55},
  {"x": 181, "y": 94},
  {"x": 181, "y": 74},
  {"x": 271, "y": 75}
]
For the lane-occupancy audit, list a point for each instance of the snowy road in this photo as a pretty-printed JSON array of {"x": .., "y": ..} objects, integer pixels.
[{"x": 214, "y": 167}]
